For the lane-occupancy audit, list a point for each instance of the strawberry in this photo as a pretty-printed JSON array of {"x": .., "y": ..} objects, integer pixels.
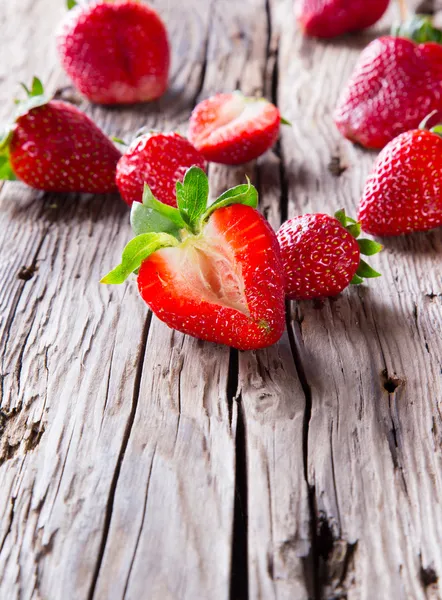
[
  {"x": 232, "y": 129},
  {"x": 212, "y": 272},
  {"x": 322, "y": 256},
  {"x": 329, "y": 18},
  {"x": 53, "y": 146},
  {"x": 396, "y": 82},
  {"x": 115, "y": 52},
  {"x": 404, "y": 191},
  {"x": 160, "y": 160}
]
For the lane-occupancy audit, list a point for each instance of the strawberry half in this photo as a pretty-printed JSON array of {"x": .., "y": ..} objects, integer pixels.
[
  {"x": 53, "y": 146},
  {"x": 160, "y": 160},
  {"x": 395, "y": 83},
  {"x": 404, "y": 191},
  {"x": 329, "y": 18},
  {"x": 322, "y": 256},
  {"x": 115, "y": 52},
  {"x": 232, "y": 129},
  {"x": 212, "y": 272}
]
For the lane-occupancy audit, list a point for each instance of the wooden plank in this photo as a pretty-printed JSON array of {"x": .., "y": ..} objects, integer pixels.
[
  {"x": 273, "y": 530},
  {"x": 372, "y": 360},
  {"x": 74, "y": 402}
]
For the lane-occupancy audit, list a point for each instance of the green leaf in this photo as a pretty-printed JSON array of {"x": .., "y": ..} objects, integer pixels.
[
  {"x": 37, "y": 87},
  {"x": 118, "y": 140},
  {"x": 136, "y": 251},
  {"x": 70, "y": 4},
  {"x": 144, "y": 220},
  {"x": 369, "y": 247},
  {"x": 35, "y": 97},
  {"x": 285, "y": 122},
  {"x": 241, "y": 194},
  {"x": 354, "y": 229},
  {"x": 341, "y": 217},
  {"x": 6, "y": 172},
  {"x": 418, "y": 28},
  {"x": 155, "y": 216},
  {"x": 364, "y": 270},
  {"x": 192, "y": 196},
  {"x": 356, "y": 280}
]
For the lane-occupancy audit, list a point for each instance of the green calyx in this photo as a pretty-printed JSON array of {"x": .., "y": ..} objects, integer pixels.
[
  {"x": 35, "y": 97},
  {"x": 157, "y": 225},
  {"x": 367, "y": 247},
  {"x": 418, "y": 28},
  {"x": 70, "y": 4},
  {"x": 437, "y": 129}
]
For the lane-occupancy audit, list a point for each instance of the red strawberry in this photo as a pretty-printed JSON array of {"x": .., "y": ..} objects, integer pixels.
[
  {"x": 216, "y": 274},
  {"x": 321, "y": 255},
  {"x": 404, "y": 191},
  {"x": 115, "y": 52},
  {"x": 396, "y": 82},
  {"x": 53, "y": 146},
  {"x": 232, "y": 129},
  {"x": 160, "y": 160},
  {"x": 329, "y": 18}
]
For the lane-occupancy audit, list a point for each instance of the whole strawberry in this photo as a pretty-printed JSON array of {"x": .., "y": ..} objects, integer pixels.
[
  {"x": 115, "y": 52},
  {"x": 322, "y": 256},
  {"x": 404, "y": 191},
  {"x": 53, "y": 146},
  {"x": 396, "y": 82},
  {"x": 160, "y": 160},
  {"x": 329, "y": 18},
  {"x": 232, "y": 129},
  {"x": 212, "y": 272}
]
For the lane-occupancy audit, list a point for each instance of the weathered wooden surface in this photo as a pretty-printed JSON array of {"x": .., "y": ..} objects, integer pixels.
[{"x": 136, "y": 462}]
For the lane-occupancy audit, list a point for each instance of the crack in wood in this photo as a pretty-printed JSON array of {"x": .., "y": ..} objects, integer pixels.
[
  {"x": 13, "y": 423},
  {"x": 311, "y": 562},
  {"x": 137, "y": 542},
  {"x": 10, "y": 521},
  {"x": 125, "y": 441},
  {"x": 232, "y": 381},
  {"x": 239, "y": 584}
]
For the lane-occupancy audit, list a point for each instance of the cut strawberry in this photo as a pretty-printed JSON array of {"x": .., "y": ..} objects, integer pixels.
[
  {"x": 212, "y": 272},
  {"x": 158, "y": 159},
  {"x": 232, "y": 129},
  {"x": 53, "y": 146}
]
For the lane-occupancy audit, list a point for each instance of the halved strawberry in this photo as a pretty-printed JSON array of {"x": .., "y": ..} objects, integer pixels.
[
  {"x": 53, "y": 146},
  {"x": 232, "y": 129},
  {"x": 158, "y": 159},
  {"x": 322, "y": 255},
  {"x": 212, "y": 272}
]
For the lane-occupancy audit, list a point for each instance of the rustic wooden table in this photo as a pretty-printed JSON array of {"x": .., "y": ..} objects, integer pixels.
[{"x": 139, "y": 463}]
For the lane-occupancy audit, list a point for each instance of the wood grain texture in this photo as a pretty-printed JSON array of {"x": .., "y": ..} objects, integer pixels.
[
  {"x": 74, "y": 403},
  {"x": 137, "y": 462},
  {"x": 372, "y": 360}
]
